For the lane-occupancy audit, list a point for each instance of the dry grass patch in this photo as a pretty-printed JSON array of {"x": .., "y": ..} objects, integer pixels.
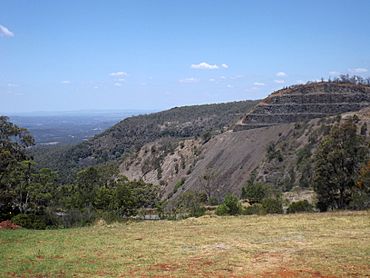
[{"x": 302, "y": 245}]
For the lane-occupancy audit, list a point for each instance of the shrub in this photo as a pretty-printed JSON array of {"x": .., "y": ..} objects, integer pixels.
[
  {"x": 230, "y": 206},
  {"x": 178, "y": 185},
  {"x": 191, "y": 203},
  {"x": 222, "y": 210},
  {"x": 254, "y": 209},
  {"x": 256, "y": 192},
  {"x": 273, "y": 153},
  {"x": 300, "y": 206},
  {"x": 30, "y": 221},
  {"x": 360, "y": 200},
  {"x": 272, "y": 205}
]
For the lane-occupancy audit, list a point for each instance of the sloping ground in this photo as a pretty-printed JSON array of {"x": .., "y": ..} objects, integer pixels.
[
  {"x": 305, "y": 102},
  {"x": 132, "y": 133},
  {"x": 228, "y": 159},
  {"x": 303, "y": 245}
]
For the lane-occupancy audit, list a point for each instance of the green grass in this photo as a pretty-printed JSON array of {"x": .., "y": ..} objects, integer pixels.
[{"x": 302, "y": 245}]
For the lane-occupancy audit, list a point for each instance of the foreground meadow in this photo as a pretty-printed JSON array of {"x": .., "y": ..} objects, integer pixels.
[{"x": 302, "y": 245}]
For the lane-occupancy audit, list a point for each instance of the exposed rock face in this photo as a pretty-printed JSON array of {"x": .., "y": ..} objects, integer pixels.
[{"x": 305, "y": 102}]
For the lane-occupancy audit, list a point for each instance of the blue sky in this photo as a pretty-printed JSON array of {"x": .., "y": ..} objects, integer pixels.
[{"x": 156, "y": 54}]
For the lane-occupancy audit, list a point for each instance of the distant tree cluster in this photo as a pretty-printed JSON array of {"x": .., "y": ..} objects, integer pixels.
[
  {"x": 353, "y": 79},
  {"x": 340, "y": 79}
]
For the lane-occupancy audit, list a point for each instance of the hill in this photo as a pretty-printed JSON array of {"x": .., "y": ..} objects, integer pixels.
[
  {"x": 132, "y": 133},
  {"x": 277, "y": 153}
]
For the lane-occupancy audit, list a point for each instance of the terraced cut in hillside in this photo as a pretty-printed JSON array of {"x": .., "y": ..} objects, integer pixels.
[{"x": 305, "y": 102}]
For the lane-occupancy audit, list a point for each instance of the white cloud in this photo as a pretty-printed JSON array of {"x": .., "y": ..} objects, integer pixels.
[
  {"x": 5, "y": 32},
  {"x": 236, "y": 77},
  {"x": 359, "y": 70},
  {"x": 119, "y": 74},
  {"x": 281, "y": 74},
  {"x": 12, "y": 85},
  {"x": 229, "y": 86},
  {"x": 225, "y": 66},
  {"x": 96, "y": 87},
  {"x": 212, "y": 80},
  {"x": 258, "y": 84},
  {"x": 117, "y": 84},
  {"x": 279, "y": 81},
  {"x": 189, "y": 80},
  {"x": 204, "y": 66},
  {"x": 66, "y": 82},
  {"x": 223, "y": 77}
]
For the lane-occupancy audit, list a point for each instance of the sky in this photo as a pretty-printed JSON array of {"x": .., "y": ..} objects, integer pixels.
[{"x": 156, "y": 54}]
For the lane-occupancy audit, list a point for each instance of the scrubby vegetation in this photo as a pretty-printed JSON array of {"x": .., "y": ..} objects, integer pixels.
[
  {"x": 300, "y": 206},
  {"x": 230, "y": 206}
]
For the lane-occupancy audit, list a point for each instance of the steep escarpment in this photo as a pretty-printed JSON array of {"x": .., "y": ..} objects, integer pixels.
[
  {"x": 280, "y": 155},
  {"x": 305, "y": 102}
]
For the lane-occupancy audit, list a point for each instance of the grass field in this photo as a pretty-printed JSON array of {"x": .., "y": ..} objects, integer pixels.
[{"x": 302, "y": 245}]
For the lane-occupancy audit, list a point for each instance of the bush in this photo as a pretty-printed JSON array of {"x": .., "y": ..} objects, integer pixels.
[
  {"x": 222, "y": 210},
  {"x": 178, "y": 185},
  {"x": 300, "y": 206},
  {"x": 191, "y": 203},
  {"x": 272, "y": 205},
  {"x": 254, "y": 209},
  {"x": 360, "y": 200},
  {"x": 30, "y": 221},
  {"x": 230, "y": 206},
  {"x": 256, "y": 192}
]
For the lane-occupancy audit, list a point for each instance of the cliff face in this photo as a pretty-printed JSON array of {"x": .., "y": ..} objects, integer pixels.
[{"x": 306, "y": 102}]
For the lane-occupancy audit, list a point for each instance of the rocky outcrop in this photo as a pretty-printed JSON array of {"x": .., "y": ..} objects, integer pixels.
[{"x": 306, "y": 102}]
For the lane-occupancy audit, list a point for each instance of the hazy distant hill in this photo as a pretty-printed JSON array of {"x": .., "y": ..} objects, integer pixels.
[{"x": 70, "y": 127}]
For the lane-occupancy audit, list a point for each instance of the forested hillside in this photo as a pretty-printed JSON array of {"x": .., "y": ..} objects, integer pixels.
[{"x": 132, "y": 133}]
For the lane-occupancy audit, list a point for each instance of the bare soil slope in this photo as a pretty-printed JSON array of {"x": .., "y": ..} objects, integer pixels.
[{"x": 228, "y": 159}]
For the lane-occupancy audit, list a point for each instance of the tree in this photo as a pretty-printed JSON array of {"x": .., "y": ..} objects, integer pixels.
[
  {"x": 88, "y": 181},
  {"x": 361, "y": 193},
  {"x": 208, "y": 185},
  {"x": 129, "y": 196},
  {"x": 13, "y": 143},
  {"x": 14, "y": 173},
  {"x": 191, "y": 203},
  {"x": 337, "y": 163}
]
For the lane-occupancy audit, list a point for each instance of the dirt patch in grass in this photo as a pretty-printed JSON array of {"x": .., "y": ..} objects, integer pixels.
[{"x": 8, "y": 225}]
